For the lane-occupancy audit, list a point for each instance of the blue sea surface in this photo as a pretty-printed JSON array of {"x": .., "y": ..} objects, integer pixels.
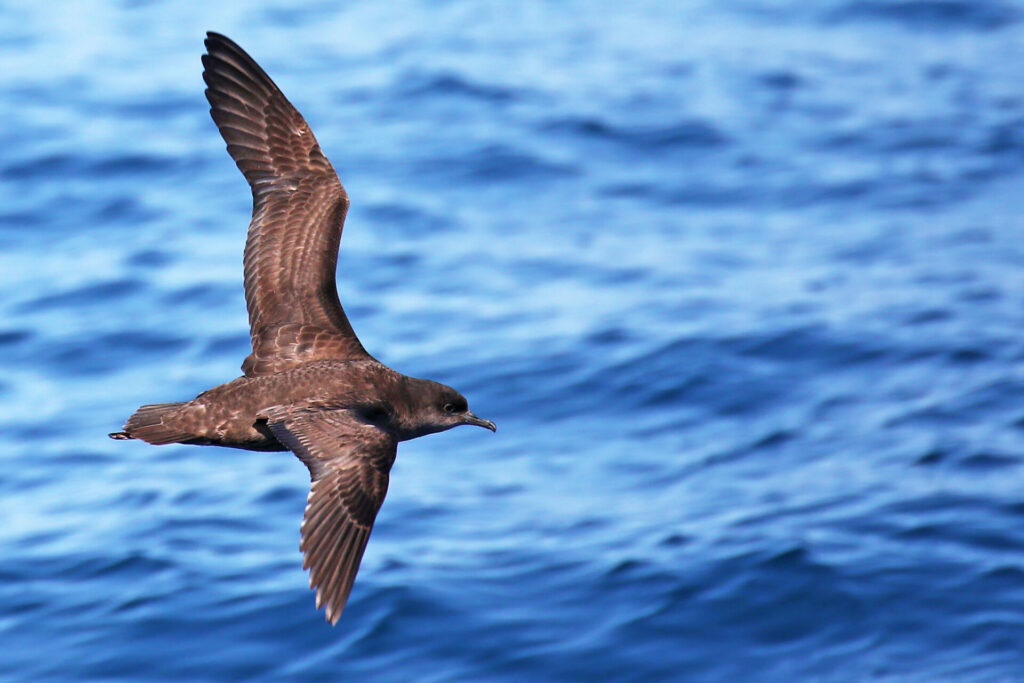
[{"x": 741, "y": 283}]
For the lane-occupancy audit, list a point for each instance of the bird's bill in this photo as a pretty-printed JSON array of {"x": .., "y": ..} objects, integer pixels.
[{"x": 471, "y": 419}]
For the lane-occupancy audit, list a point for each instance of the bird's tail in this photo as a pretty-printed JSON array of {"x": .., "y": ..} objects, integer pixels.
[{"x": 152, "y": 424}]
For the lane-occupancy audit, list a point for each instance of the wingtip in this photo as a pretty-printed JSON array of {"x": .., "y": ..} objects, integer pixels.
[
  {"x": 332, "y": 615},
  {"x": 220, "y": 43},
  {"x": 213, "y": 36},
  {"x": 332, "y": 611},
  {"x": 120, "y": 436},
  {"x": 329, "y": 614}
]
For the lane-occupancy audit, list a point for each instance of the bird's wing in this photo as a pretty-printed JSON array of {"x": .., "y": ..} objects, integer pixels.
[
  {"x": 299, "y": 208},
  {"x": 348, "y": 462}
]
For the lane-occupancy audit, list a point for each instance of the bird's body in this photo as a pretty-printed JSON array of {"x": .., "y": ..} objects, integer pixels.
[
  {"x": 234, "y": 414},
  {"x": 309, "y": 386}
]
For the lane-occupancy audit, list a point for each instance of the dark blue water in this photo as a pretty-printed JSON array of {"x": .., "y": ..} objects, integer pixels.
[{"x": 742, "y": 284}]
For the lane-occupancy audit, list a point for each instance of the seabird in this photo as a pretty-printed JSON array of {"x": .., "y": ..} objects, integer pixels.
[{"x": 309, "y": 386}]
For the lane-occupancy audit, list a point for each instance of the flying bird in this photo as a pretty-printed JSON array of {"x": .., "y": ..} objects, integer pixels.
[{"x": 308, "y": 386}]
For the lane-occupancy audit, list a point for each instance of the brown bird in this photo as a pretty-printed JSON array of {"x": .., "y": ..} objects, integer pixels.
[{"x": 309, "y": 386}]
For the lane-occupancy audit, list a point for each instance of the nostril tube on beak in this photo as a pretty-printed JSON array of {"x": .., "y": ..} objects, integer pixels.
[{"x": 471, "y": 419}]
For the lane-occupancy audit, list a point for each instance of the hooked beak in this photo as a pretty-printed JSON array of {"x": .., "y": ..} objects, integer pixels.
[{"x": 471, "y": 419}]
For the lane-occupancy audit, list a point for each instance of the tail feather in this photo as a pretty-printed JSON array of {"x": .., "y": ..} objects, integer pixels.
[{"x": 152, "y": 424}]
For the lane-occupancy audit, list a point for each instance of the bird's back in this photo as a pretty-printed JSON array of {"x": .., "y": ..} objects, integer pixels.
[{"x": 234, "y": 413}]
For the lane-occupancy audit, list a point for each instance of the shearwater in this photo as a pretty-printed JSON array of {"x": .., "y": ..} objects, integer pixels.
[{"x": 309, "y": 386}]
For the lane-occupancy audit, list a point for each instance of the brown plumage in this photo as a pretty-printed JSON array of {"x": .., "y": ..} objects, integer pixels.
[{"x": 309, "y": 385}]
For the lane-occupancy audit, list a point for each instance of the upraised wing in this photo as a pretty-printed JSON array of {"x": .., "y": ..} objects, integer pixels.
[
  {"x": 348, "y": 462},
  {"x": 299, "y": 208}
]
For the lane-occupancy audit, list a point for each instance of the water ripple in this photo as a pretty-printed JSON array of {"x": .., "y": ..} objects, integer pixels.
[{"x": 739, "y": 282}]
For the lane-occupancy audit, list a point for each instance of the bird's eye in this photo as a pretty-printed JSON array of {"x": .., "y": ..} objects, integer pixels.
[
  {"x": 449, "y": 408},
  {"x": 375, "y": 413}
]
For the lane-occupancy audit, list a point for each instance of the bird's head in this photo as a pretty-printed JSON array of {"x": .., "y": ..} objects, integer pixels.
[{"x": 437, "y": 408}]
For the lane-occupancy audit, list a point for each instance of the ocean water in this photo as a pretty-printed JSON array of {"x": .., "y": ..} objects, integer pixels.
[{"x": 741, "y": 283}]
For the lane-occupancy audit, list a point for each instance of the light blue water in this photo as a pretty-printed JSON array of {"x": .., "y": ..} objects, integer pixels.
[{"x": 740, "y": 282}]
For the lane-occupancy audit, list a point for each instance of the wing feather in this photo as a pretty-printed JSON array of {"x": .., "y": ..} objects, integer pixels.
[
  {"x": 299, "y": 209},
  {"x": 349, "y": 464}
]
